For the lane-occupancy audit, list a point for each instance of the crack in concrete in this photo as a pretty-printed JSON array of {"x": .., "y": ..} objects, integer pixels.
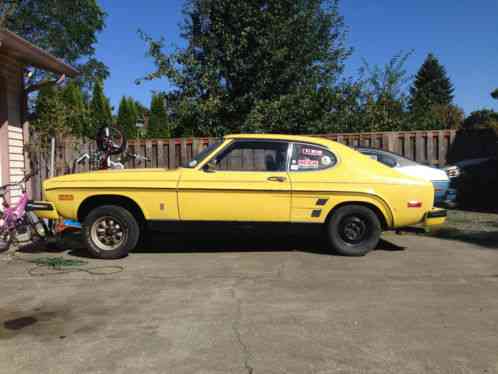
[{"x": 236, "y": 330}]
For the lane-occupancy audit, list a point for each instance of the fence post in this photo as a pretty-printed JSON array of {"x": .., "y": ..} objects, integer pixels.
[
  {"x": 172, "y": 153},
  {"x": 160, "y": 154},
  {"x": 148, "y": 153},
  {"x": 419, "y": 147},
  {"x": 442, "y": 149}
]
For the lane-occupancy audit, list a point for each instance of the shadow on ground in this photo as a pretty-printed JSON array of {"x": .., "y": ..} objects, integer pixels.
[
  {"x": 486, "y": 239},
  {"x": 208, "y": 243}
]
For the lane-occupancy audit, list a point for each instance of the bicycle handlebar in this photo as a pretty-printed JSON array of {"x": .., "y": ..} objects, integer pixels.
[{"x": 26, "y": 178}]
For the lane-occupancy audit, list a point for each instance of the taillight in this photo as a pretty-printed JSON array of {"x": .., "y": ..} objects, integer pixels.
[{"x": 414, "y": 204}]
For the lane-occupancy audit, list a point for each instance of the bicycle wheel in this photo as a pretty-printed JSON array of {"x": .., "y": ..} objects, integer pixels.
[{"x": 110, "y": 140}]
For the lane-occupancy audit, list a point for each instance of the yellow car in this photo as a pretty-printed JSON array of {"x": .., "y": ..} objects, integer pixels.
[{"x": 267, "y": 181}]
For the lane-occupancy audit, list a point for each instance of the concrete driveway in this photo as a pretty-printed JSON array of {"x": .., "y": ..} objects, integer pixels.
[{"x": 416, "y": 305}]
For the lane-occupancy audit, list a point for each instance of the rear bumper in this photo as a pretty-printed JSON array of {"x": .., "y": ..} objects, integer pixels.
[
  {"x": 43, "y": 209},
  {"x": 435, "y": 217}
]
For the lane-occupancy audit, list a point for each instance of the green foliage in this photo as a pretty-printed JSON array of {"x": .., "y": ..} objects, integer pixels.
[
  {"x": 51, "y": 114},
  {"x": 431, "y": 87},
  {"x": 67, "y": 29},
  {"x": 481, "y": 119},
  {"x": 494, "y": 94},
  {"x": 99, "y": 110},
  {"x": 127, "y": 117},
  {"x": 382, "y": 98},
  {"x": 246, "y": 59},
  {"x": 158, "y": 126},
  {"x": 78, "y": 120}
]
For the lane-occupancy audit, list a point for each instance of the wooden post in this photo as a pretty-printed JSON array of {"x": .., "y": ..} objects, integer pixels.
[
  {"x": 160, "y": 154},
  {"x": 430, "y": 148},
  {"x": 419, "y": 147},
  {"x": 172, "y": 153},
  {"x": 442, "y": 149},
  {"x": 148, "y": 154}
]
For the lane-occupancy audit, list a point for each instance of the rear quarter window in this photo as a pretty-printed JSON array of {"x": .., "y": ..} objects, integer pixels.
[{"x": 307, "y": 157}]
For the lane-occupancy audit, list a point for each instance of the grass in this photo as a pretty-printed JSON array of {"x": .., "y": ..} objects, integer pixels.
[{"x": 471, "y": 227}]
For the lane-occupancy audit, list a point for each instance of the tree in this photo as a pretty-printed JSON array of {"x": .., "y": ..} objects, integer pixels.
[
  {"x": 481, "y": 119},
  {"x": 51, "y": 116},
  {"x": 158, "y": 118},
  {"x": 431, "y": 87},
  {"x": 127, "y": 117},
  {"x": 100, "y": 110},
  {"x": 78, "y": 116},
  {"x": 494, "y": 94},
  {"x": 67, "y": 29},
  {"x": 383, "y": 95},
  {"x": 244, "y": 56}
]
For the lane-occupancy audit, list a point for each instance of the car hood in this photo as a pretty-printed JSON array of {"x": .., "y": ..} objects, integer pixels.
[
  {"x": 150, "y": 178},
  {"x": 424, "y": 172}
]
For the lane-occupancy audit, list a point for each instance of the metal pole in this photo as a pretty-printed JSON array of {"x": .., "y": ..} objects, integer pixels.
[{"x": 52, "y": 158}]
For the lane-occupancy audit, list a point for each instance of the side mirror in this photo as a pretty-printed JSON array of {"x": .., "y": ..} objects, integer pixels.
[{"x": 210, "y": 167}]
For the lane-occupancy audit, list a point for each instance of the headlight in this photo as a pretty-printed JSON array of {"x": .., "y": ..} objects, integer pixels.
[{"x": 453, "y": 171}]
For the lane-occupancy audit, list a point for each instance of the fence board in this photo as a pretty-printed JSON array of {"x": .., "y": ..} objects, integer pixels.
[
  {"x": 160, "y": 154},
  {"x": 441, "y": 149},
  {"x": 172, "y": 154}
]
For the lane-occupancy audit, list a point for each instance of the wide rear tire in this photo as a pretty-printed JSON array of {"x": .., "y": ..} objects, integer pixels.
[
  {"x": 110, "y": 232},
  {"x": 354, "y": 230}
]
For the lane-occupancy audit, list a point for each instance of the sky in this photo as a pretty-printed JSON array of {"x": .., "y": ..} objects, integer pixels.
[{"x": 463, "y": 34}]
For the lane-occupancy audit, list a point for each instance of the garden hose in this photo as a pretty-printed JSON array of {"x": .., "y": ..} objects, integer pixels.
[{"x": 60, "y": 265}]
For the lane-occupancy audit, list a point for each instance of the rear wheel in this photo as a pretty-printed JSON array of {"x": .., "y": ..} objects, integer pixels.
[
  {"x": 354, "y": 230},
  {"x": 110, "y": 232}
]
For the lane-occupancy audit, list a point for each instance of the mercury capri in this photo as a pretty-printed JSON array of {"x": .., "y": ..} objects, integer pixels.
[{"x": 257, "y": 181}]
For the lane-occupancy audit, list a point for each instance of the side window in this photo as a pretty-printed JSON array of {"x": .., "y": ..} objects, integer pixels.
[
  {"x": 253, "y": 156},
  {"x": 307, "y": 157}
]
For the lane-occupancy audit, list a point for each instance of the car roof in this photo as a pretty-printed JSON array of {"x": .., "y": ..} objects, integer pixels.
[{"x": 291, "y": 138}]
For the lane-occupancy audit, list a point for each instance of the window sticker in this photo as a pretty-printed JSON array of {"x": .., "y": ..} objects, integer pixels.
[
  {"x": 308, "y": 164},
  {"x": 326, "y": 160},
  {"x": 311, "y": 152}
]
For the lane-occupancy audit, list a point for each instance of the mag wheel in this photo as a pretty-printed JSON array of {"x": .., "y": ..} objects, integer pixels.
[{"x": 110, "y": 232}]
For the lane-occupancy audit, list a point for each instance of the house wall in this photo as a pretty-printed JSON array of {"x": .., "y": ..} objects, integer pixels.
[{"x": 12, "y": 159}]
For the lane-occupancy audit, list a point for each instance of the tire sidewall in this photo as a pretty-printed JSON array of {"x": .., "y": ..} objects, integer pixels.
[
  {"x": 367, "y": 244},
  {"x": 125, "y": 218}
]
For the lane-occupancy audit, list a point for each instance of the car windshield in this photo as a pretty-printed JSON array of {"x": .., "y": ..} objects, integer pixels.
[{"x": 201, "y": 156}]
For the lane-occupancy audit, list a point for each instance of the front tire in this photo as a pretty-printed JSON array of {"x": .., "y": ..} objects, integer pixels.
[
  {"x": 110, "y": 232},
  {"x": 354, "y": 230}
]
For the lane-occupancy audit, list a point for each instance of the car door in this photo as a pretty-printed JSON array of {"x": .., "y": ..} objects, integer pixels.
[{"x": 246, "y": 181}]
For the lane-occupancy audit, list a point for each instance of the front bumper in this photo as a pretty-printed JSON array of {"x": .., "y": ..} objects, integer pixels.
[
  {"x": 435, "y": 217},
  {"x": 43, "y": 209}
]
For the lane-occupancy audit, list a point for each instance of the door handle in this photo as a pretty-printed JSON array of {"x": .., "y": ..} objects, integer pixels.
[{"x": 277, "y": 179}]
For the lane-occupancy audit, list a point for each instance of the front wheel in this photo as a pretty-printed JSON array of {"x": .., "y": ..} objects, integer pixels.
[
  {"x": 4, "y": 241},
  {"x": 354, "y": 230},
  {"x": 110, "y": 232}
]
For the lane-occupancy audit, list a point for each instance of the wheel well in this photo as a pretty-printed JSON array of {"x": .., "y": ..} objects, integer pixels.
[
  {"x": 92, "y": 202},
  {"x": 375, "y": 209}
]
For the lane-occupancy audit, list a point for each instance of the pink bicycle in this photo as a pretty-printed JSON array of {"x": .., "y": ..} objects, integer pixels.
[{"x": 18, "y": 224}]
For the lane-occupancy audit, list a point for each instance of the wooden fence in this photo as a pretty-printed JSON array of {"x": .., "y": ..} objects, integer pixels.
[{"x": 428, "y": 147}]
